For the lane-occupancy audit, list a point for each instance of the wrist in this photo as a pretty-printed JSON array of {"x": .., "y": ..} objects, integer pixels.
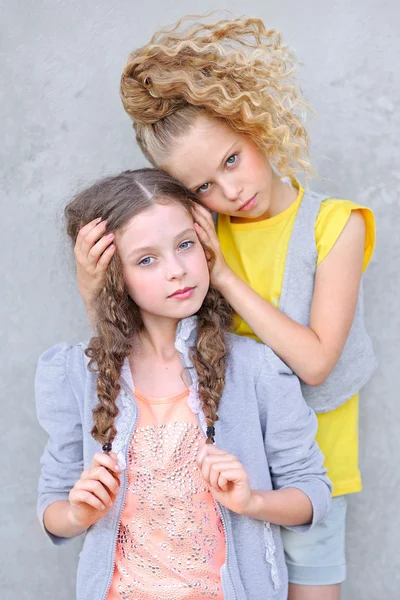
[
  {"x": 88, "y": 302},
  {"x": 224, "y": 279},
  {"x": 257, "y": 507},
  {"x": 90, "y": 307},
  {"x": 76, "y": 527}
]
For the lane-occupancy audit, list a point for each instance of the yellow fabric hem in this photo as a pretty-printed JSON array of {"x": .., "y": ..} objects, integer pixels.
[
  {"x": 342, "y": 209},
  {"x": 343, "y": 488}
]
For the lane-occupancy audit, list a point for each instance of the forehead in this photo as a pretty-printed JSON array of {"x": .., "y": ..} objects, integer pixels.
[
  {"x": 195, "y": 156},
  {"x": 154, "y": 226}
]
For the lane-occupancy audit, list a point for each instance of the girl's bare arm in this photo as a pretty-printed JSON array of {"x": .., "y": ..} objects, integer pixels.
[{"x": 312, "y": 352}]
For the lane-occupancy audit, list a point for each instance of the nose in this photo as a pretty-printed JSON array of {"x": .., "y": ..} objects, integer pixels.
[
  {"x": 231, "y": 188},
  {"x": 175, "y": 268}
]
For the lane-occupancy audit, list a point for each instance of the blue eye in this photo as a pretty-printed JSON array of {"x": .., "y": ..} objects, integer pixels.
[
  {"x": 186, "y": 245},
  {"x": 203, "y": 188},
  {"x": 232, "y": 160},
  {"x": 146, "y": 261}
]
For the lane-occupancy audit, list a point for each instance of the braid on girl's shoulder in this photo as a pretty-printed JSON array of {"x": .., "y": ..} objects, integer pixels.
[
  {"x": 209, "y": 356},
  {"x": 116, "y": 325}
]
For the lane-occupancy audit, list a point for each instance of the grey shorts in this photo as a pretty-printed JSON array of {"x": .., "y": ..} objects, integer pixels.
[{"x": 317, "y": 557}]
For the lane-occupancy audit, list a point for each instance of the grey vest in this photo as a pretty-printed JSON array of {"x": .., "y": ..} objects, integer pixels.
[{"x": 357, "y": 361}]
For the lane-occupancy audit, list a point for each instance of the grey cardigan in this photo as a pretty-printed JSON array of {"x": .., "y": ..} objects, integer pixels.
[
  {"x": 263, "y": 420},
  {"x": 357, "y": 361}
]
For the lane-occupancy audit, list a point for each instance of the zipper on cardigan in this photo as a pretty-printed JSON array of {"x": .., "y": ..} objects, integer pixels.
[
  {"x": 220, "y": 508},
  {"x": 222, "y": 511},
  {"x": 124, "y": 498},
  {"x": 217, "y": 504}
]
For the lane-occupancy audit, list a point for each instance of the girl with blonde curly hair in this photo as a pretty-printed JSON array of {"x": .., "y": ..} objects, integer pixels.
[
  {"x": 216, "y": 106},
  {"x": 166, "y": 514}
]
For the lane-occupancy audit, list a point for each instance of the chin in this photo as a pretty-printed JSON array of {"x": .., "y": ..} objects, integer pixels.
[
  {"x": 195, "y": 306},
  {"x": 187, "y": 311},
  {"x": 255, "y": 214},
  {"x": 193, "y": 310}
]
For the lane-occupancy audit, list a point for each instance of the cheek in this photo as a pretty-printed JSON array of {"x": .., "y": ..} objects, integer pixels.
[
  {"x": 211, "y": 201},
  {"x": 139, "y": 285},
  {"x": 201, "y": 268},
  {"x": 259, "y": 163}
]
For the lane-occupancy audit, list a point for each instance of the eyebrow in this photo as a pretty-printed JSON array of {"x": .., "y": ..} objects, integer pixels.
[
  {"x": 227, "y": 153},
  {"x": 224, "y": 159},
  {"x": 148, "y": 249}
]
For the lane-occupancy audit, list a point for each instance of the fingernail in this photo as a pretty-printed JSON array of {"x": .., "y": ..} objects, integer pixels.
[
  {"x": 117, "y": 491},
  {"x": 98, "y": 220},
  {"x": 103, "y": 507},
  {"x": 110, "y": 235}
]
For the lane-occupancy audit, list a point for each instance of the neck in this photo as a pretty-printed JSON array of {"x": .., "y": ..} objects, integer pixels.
[
  {"x": 158, "y": 336},
  {"x": 282, "y": 196}
]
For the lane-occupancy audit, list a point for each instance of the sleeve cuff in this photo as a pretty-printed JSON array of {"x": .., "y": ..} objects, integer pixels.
[{"x": 320, "y": 500}]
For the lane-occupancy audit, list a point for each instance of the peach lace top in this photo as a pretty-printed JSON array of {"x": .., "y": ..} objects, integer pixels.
[{"x": 171, "y": 543}]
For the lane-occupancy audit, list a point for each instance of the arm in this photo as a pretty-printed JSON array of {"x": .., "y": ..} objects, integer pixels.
[
  {"x": 93, "y": 251},
  {"x": 57, "y": 520},
  {"x": 312, "y": 352},
  {"x": 67, "y": 497},
  {"x": 301, "y": 490},
  {"x": 92, "y": 496},
  {"x": 288, "y": 508},
  {"x": 290, "y": 426},
  {"x": 230, "y": 486}
]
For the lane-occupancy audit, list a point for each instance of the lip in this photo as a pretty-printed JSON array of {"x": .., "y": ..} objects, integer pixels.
[
  {"x": 183, "y": 294},
  {"x": 249, "y": 204}
]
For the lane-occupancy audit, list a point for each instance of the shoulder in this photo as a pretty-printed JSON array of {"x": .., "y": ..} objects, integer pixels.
[
  {"x": 61, "y": 369},
  {"x": 334, "y": 216},
  {"x": 258, "y": 372},
  {"x": 255, "y": 357},
  {"x": 243, "y": 346},
  {"x": 63, "y": 358},
  {"x": 335, "y": 209}
]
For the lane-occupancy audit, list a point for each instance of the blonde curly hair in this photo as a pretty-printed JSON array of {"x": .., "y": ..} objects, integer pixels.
[{"x": 235, "y": 70}]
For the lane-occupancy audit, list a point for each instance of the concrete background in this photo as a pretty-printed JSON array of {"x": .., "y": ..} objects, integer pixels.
[{"x": 64, "y": 125}]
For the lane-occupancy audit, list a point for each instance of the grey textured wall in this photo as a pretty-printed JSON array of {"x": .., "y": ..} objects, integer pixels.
[{"x": 64, "y": 125}]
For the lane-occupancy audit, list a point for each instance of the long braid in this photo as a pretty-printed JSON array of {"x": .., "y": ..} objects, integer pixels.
[
  {"x": 209, "y": 356},
  {"x": 118, "y": 319}
]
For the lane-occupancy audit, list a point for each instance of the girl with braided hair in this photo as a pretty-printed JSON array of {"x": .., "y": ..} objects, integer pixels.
[
  {"x": 132, "y": 418},
  {"x": 216, "y": 106}
]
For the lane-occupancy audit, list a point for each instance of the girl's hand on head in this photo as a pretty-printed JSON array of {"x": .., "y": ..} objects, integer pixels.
[
  {"x": 95, "y": 492},
  {"x": 93, "y": 252},
  {"x": 205, "y": 230},
  {"x": 226, "y": 477}
]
